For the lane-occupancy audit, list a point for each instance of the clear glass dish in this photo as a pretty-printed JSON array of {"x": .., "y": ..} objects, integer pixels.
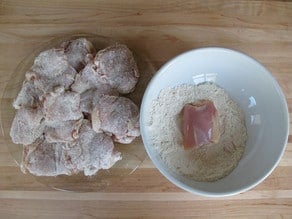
[{"x": 133, "y": 154}]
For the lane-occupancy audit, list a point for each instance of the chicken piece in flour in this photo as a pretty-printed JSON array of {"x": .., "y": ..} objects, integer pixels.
[{"x": 200, "y": 124}]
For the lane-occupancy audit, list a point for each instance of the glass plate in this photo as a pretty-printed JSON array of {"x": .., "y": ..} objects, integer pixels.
[{"x": 133, "y": 154}]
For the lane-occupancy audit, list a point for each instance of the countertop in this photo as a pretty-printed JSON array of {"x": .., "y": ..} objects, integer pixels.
[{"x": 161, "y": 29}]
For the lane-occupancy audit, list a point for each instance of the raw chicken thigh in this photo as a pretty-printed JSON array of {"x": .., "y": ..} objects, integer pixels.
[
  {"x": 200, "y": 124},
  {"x": 117, "y": 116},
  {"x": 116, "y": 66}
]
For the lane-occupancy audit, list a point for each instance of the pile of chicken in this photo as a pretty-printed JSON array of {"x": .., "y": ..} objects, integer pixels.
[{"x": 69, "y": 111}]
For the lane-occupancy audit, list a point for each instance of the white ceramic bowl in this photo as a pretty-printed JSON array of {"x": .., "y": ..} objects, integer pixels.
[{"x": 256, "y": 91}]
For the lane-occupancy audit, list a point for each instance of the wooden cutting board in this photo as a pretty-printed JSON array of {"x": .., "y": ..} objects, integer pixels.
[{"x": 159, "y": 30}]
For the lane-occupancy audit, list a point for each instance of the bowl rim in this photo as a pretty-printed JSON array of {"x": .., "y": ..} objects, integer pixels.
[{"x": 177, "y": 182}]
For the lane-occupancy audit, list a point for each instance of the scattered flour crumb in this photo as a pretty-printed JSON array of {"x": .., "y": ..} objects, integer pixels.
[{"x": 208, "y": 163}]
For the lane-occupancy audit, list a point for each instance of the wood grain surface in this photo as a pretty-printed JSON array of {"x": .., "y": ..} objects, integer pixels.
[{"x": 161, "y": 29}]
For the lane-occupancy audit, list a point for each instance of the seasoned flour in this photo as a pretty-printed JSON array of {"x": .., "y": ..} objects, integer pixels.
[{"x": 208, "y": 163}]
